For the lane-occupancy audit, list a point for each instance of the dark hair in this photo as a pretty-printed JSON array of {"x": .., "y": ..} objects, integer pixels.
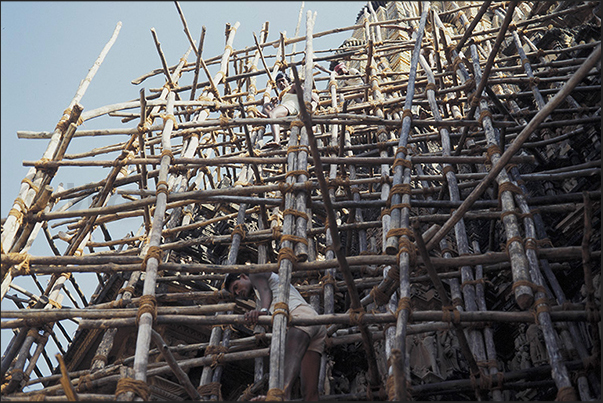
[
  {"x": 281, "y": 75},
  {"x": 229, "y": 279},
  {"x": 333, "y": 64}
]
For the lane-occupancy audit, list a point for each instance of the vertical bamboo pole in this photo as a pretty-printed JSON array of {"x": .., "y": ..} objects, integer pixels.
[
  {"x": 146, "y": 318},
  {"x": 299, "y": 19},
  {"x": 286, "y": 261},
  {"x": 99, "y": 361},
  {"x": 462, "y": 242},
  {"x": 492, "y": 362},
  {"x": 559, "y": 371},
  {"x": 356, "y": 306},
  {"x": 577, "y": 339},
  {"x": 519, "y": 264}
]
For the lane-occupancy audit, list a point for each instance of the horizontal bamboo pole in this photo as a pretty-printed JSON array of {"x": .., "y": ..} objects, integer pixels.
[{"x": 344, "y": 318}]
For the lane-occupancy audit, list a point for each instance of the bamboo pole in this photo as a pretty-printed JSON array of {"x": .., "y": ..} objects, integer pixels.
[{"x": 211, "y": 148}]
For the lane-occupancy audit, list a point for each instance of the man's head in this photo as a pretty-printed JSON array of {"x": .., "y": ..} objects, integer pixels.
[
  {"x": 238, "y": 284},
  {"x": 282, "y": 80},
  {"x": 340, "y": 68}
]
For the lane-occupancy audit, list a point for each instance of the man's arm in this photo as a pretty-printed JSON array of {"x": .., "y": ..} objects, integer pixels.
[{"x": 260, "y": 283}]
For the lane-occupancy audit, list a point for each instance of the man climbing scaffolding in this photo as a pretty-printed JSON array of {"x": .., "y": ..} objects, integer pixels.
[
  {"x": 286, "y": 104},
  {"x": 304, "y": 344}
]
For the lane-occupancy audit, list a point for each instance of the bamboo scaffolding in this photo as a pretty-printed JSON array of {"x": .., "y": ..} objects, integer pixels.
[{"x": 454, "y": 195}]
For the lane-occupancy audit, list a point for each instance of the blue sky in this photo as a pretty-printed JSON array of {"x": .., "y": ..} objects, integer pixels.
[{"x": 48, "y": 48}]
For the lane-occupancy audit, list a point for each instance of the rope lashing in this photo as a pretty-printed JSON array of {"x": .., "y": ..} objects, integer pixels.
[
  {"x": 483, "y": 114},
  {"x": 31, "y": 184},
  {"x": 162, "y": 187},
  {"x": 287, "y": 253},
  {"x": 567, "y": 394},
  {"x": 139, "y": 388},
  {"x": 296, "y": 213},
  {"x": 509, "y": 212},
  {"x": 19, "y": 260},
  {"x": 285, "y": 187},
  {"x": 328, "y": 279},
  {"x": 356, "y": 316},
  {"x": 294, "y": 238},
  {"x": 153, "y": 252},
  {"x": 281, "y": 308},
  {"x": 540, "y": 305},
  {"x": 403, "y": 305},
  {"x": 64, "y": 121},
  {"x": 224, "y": 121},
  {"x": 147, "y": 304},
  {"x": 169, "y": 116},
  {"x": 212, "y": 388},
  {"x": 511, "y": 240},
  {"x": 297, "y": 172},
  {"x": 451, "y": 315},
  {"x": 275, "y": 395},
  {"x": 508, "y": 187},
  {"x": 276, "y": 232},
  {"x": 296, "y": 148},
  {"x": 239, "y": 229},
  {"x": 379, "y": 297},
  {"x": 99, "y": 357},
  {"x": 169, "y": 153},
  {"x": 401, "y": 188},
  {"x": 432, "y": 87},
  {"x": 394, "y": 274},
  {"x": 400, "y": 232}
]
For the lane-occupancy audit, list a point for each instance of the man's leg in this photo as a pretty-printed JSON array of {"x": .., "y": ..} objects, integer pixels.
[
  {"x": 296, "y": 346},
  {"x": 279, "y": 112},
  {"x": 310, "y": 368}
]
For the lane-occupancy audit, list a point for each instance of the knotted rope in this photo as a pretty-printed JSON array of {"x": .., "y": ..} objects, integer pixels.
[
  {"x": 139, "y": 388},
  {"x": 148, "y": 304}
]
